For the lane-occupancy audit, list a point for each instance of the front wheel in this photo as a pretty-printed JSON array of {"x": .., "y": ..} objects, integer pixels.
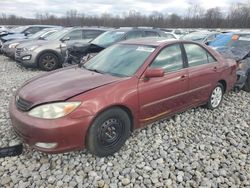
[
  {"x": 48, "y": 61},
  {"x": 216, "y": 97},
  {"x": 108, "y": 132}
]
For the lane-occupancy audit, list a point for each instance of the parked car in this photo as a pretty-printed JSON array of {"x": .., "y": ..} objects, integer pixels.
[
  {"x": 49, "y": 54},
  {"x": 97, "y": 104},
  {"x": 205, "y": 37},
  {"x": 3, "y": 30},
  {"x": 23, "y": 31},
  {"x": 176, "y": 32},
  {"x": 9, "y": 48},
  {"x": 77, "y": 51},
  {"x": 238, "y": 48}
]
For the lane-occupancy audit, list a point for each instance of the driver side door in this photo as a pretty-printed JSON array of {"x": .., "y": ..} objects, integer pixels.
[{"x": 160, "y": 96}]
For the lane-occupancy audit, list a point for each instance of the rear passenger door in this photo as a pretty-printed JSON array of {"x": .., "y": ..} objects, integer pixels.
[{"x": 203, "y": 71}]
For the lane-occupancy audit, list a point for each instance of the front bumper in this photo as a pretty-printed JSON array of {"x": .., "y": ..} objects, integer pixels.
[
  {"x": 26, "y": 58},
  {"x": 68, "y": 132},
  {"x": 9, "y": 52}
]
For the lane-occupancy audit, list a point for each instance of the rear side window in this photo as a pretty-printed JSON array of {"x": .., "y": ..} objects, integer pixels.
[
  {"x": 197, "y": 55},
  {"x": 170, "y": 59},
  {"x": 151, "y": 34}
]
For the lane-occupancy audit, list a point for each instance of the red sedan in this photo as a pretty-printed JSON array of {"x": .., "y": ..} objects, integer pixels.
[{"x": 97, "y": 105}]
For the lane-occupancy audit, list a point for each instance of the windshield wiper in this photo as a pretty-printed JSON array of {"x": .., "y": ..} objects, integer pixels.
[
  {"x": 95, "y": 70},
  {"x": 117, "y": 74}
]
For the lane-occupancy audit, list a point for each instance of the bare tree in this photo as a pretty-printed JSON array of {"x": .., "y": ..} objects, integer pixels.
[{"x": 237, "y": 16}]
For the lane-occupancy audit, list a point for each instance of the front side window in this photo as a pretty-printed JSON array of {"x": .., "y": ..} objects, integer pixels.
[
  {"x": 197, "y": 55},
  {"x": 170, "y": 59},
  {"x": 74, "y": 35},
  {"x": 134, "y": 35},
  {"x": 120, "y": 59},
  {"x": 91, "y": 34}
]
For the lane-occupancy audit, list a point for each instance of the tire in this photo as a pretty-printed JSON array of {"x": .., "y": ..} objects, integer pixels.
[
  {"x": 108, "y": 132},
  {"x": 216, "y": 97},
  {"x": 48, "y": 61},
  {"x": 246, "y": 87}
]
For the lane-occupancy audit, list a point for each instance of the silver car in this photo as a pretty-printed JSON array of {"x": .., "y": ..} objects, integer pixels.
[
  {"x": 49, "y": 54},
  {"x": 9, "y": 48}
]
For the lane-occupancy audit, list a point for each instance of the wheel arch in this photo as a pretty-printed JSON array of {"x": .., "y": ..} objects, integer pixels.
[
  {"x": 224, "y": 84},
  {"x": 58, "y": 55},
  {"x": 121, "y": 106}
]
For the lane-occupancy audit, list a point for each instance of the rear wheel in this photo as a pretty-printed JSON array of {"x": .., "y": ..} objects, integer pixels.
[
  {"x": 108, "y": 132},
  {"x": 247, "y": 84},
  {"x": 48, "y": 61},
  {"x": 216, "y": 97}
]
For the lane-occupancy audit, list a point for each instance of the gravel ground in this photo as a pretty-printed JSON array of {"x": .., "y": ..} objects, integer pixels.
[{"x": 198, "y": 148}]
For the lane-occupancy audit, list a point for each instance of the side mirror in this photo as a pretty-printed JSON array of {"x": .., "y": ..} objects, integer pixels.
[
  {"x": 154, "y": 72},
  {"x": 65, "y": 39},
  {"x": 27, "y": 33}
]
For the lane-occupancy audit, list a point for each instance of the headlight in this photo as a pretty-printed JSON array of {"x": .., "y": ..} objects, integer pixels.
[
  {"x": 54, "y": 110},
  {"x": 13, "y": 45},
  {"x": 32, "y": 48}
]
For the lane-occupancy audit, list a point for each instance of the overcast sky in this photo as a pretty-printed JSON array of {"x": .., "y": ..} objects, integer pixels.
[{"x": 28, "y": 8}]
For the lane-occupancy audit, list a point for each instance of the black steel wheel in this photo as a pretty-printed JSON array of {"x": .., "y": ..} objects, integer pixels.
[{"x": 108, "y": 132}]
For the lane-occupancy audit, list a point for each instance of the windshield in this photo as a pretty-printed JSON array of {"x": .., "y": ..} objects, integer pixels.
[
  {"x": 120, "y": 59},
  {"x": 38, "y": 34},
  {"x": 18, "y": 29},
  {"x": 108, "y": 38},
  {"x": 243, "y": 41},
  {"x": 195, "y": 36},
  {"x": 58, "y": 35}
]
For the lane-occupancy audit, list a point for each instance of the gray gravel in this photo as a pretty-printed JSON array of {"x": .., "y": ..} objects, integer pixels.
[{"x": 198, "y": 148}]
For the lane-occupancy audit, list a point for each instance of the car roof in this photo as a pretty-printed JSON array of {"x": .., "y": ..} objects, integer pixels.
[
  {"x": 90, "y": 28},
  {"x": 155, "y": 41},
  {"x": 126, "y": 29}
]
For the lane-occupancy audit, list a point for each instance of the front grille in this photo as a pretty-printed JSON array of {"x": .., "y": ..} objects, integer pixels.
[
  {"x": 22, "y": 104},
  {"x": 18, "y": 52}
]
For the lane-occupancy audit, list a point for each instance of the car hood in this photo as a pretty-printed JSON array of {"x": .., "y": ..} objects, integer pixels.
[
  {"x": 14, "y": 36},
  {"x": 34, "y": 43},
  {"x": 16, "y": 41},
  {"x": 239, "y": 53},
  {"x": 62, "y": 84}
]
